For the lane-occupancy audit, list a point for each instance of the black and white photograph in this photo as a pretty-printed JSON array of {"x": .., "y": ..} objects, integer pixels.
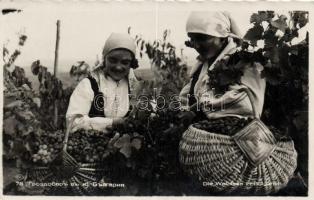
[{"x": 155, "y": 98}]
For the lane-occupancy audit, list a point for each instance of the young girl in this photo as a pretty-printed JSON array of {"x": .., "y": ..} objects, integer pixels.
[{"x": 102, "y": 99}]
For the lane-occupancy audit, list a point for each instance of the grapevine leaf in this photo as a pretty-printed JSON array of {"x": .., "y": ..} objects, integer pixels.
[
  {"x": 280, "y": 23},
  {"x": 40, "y": 75},
  {"x": 149, "y": 50},
  {"x": 28, "y": 146},
  {"x": 142, "y": 45},
  {"x": 259, "y": 17},
  {"x": 254, "y": 34},
  {"x": 22, "y": 40},
  {"x": 300, "y": 18},
  {"x": 14, "y": 104},
  {"x": 270, "y": 14},
  {"x": 9, "y": 125},
  {"x": 270, "y": 38},
  {"x": 257, "y": 56},
  {"x": 19, "y": 148},
  {"x": 138, "y": 41},
  {"x": 245, "y": 45},
  {"x": 255, "y": 18},
  {"x": 124, "y": 140},
  {"x": 273, "y": 55},
  {"x": 26, "y": 87},
  {"x": 136, "y": 143},
  {"x": 113, "y": 140},
  {"x": 5, "y": 52},
  {"x": 165, "y": 35},
  {"x": 25, "y": 116},
  {"x": 126, "y": 150}
]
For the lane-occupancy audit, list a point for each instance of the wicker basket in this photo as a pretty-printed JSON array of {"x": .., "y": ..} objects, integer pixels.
[
  {"x": 77, "y": 178},
  {"x": 250, "y": 162}
]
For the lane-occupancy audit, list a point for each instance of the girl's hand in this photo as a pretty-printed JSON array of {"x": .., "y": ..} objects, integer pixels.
[{"x": 118, "y": 122}]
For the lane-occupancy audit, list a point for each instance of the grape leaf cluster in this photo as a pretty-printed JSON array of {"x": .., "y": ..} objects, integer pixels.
[
  {"x": 169, "y": 69},
  {"x": 51, "y": 91},
  {"x": 277, "y": 55}
]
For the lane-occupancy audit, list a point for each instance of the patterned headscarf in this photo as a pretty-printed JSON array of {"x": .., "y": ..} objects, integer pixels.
[{"x": 218, "y": 24}]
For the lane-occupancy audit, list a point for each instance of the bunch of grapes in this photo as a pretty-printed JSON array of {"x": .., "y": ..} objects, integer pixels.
[
  {"x": 52, "y": 140},
  {"x": 224, "y": 74},
  {"x": 88, "y": 146},
  {"x": 164, "y": 119},
  {"x": 225, "y": 126},
  {"x": 44, "y": 155},
  {"x": 47, "y": 147}
]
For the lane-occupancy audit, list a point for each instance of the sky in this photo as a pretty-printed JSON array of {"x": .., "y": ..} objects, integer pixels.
[{"x": 85, "y": 27}]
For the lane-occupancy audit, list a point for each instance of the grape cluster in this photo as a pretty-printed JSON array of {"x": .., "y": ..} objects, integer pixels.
[
  {"x": 164, "y": 118},
  {"x": 225, "y": 73},
  {"x": 44, "y": 155},
  {"x": 47, "y": 147},
  {"x": 226, "y": 125},
  {"x": 88, "y": 146}
]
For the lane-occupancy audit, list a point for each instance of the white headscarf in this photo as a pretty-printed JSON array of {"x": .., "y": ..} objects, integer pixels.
[
  {"x": 117, "y": 41},
  {"x": 218, "y": 24}
]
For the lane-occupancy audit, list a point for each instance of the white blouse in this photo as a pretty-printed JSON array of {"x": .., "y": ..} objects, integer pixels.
[{"x": 116, "y": 102}]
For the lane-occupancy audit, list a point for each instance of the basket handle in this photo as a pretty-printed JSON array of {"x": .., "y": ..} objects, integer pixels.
[
  {"x": 67, "y": 133},
  {"x": 251, "y": 98}
]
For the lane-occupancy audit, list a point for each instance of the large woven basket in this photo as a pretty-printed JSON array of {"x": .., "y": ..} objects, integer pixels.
[{"x": 250, "y": 162}]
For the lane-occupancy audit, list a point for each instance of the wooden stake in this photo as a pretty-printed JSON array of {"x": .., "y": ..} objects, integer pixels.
[{"x": 55, "y": 71}]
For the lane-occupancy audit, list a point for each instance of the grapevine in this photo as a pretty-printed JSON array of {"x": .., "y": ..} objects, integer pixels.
[
  {"x": 51, "y": 90},
  {"x": 277, "y": 56},
  {"x": 169, "y": 69}
]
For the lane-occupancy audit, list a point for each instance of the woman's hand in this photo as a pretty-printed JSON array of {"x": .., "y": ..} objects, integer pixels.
[{"x": 186, "y": 117}]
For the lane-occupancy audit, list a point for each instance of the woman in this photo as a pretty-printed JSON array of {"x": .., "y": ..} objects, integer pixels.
[
  {"x": 222, "y": 154},
  {"x": 213, "y": 36},
  {"x": 102, "y": 99}
]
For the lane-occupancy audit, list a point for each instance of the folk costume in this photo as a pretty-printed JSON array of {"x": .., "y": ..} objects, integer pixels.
[
  {"x": 99, "y": 98},
  {"x": 233, "y": 102}
]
